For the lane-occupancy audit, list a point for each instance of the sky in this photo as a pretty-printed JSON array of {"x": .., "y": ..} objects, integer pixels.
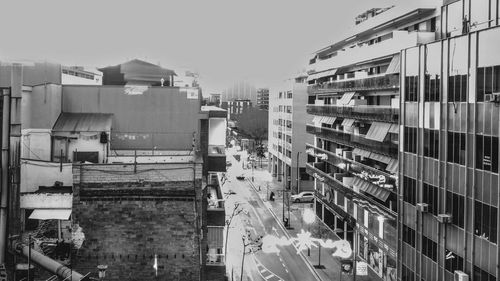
[{"x": 260, "y": 41}]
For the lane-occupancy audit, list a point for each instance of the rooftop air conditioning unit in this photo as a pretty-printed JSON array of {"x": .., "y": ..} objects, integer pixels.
[
  {"x": 460, "y": 276},
  {"x": 444, "y": 218},
  {"x": 423, "y": 207}
]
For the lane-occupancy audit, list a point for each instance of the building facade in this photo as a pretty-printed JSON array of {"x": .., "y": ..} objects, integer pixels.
[
  {"x": 287, "y": 134},
  {"x": 263, "y": 98},
  {"x": 241, "y": 90},
  {"x": 353, "y": 89},
  {"x": 448, "y": 168},
  {"x": 80, "y": 75},
  {"x": 236, "y": 107}
]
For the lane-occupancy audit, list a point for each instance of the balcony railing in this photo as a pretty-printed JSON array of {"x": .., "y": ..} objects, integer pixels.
[
  {"x": 363, "y": 112},
  {"x": 344, "y": 138},
  {"x": 364, "y": 84},
  {"x": 348, "y": 192}
]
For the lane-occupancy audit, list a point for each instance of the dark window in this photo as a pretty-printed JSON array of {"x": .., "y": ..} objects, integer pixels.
[
  {"x": 431, "y": 87},
  {"x": 430, "y": 194},
  {"x": 410, "y": 139},
  {"x": 431, "y": 143},
  {"x": 411, "y": 88},
  {"x": 409, "y": 235},
  {"x": 453, "y": 262},
  {"x": 429, "y": 248},
  {"x": 482, "y": 275},
  {"x": 485, "y": 221},
  {"x": 456, "y": 148},
  {"x": 29, "y": 224},
  {"x": 488, "y": 81},
  {"x": 409, "y": 190},
  {"x": 455, "y": 205},
  {"x": 407, "y": 274},
  {"x": 487, "y": 153},
  {"x": 92, "y": 156},
  {"x": 457, "y": 88}
]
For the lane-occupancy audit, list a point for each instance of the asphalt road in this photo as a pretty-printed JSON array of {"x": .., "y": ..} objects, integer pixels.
[{"x": 259, "y": 221}]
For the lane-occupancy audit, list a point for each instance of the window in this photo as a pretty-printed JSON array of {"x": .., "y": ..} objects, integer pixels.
[
  {"x": 431, "y": 143},
  {"x": 455, "y": 205},
  {"x": 456, "y": 148},
  {"x": 432, "y": 87},
  {"x": 289, "y": 95},
  {"x": 429, "y": 248},
  {"x": 454, "y": 262},
  {"x": 410, "y": 139},
  {"x": 409, "y": 190},
  {"x": 411, "y": 88},
  {"x": 454, "y": 19},
  {"x": 432, "y": 78},
  {"x": 488, "y": 81},
  {"x": 407, "y": 274},
  {"x": 485, "y": 221},
  {"x": 487, "y": 153},
  {"x": 457, "y": 88},
  {"x": 482, "y": 275},
  {"x": 409, "y": 235},
  {"x": 430, "y": 196}
]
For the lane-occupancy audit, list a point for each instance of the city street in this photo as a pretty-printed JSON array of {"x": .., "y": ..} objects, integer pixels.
[{"x": 259, "y": 221}]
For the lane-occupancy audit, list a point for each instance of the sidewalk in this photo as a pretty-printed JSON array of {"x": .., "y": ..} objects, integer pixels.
[{"x": 331, "y": 269}]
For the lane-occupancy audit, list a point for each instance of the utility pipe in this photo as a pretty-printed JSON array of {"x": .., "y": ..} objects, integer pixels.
[{"x": 5, "y": 173}]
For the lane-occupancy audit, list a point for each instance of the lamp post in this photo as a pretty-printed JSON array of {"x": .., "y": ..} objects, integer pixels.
[{"x": 309, "y": 217}]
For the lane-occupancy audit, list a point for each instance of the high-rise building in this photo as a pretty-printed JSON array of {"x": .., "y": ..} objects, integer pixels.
[
  {"x": 287, "y": 134},
  {"x": 263, "y": 98},
  {"x": 240, "y": 91},
  {"x": 448, "y": 171},
  {"x": 354, "y": 104}
]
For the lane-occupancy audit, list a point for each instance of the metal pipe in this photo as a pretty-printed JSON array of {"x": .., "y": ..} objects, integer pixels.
[
  {"x": 49, "y": 264},
  {"x": 298, "y": 171},
  {"x": 5, "y": 173}
]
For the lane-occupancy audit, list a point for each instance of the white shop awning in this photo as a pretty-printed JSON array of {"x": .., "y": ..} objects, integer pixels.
[{"x": 50, "y": 214}]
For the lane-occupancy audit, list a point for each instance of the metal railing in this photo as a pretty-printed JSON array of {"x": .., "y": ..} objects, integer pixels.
[
  {"x": 387, "y": 148},
  {"x": 363, "y": 112},
  {"x": 363, "y": 84}
]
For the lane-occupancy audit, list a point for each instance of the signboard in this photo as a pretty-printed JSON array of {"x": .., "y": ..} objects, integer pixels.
[{"x": 361, "y": 268}]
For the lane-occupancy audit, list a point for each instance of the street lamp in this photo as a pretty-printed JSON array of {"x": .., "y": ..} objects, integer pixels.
[{"x": 309, "y": 217}]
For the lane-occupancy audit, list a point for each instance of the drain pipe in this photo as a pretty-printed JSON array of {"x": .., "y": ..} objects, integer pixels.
[
  {"x": 64, "y": 272},
  {"x": 4, "y": 173}
]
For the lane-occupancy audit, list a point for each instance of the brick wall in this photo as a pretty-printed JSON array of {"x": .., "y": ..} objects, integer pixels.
[{"x": 126, "y": 221}]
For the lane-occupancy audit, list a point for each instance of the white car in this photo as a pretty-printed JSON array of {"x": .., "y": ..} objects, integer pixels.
[{"x": 305, "y": 196}]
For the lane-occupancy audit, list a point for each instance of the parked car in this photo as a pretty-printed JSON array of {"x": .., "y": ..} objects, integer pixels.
[
  {"x": 240, "y": 177},
  {"x": 305, "y": 196}
]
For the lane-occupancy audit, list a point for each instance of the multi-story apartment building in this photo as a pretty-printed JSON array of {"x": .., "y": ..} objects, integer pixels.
[
  {"x": 287, "y": 134},
  {"x": 354, "y": 103},
  {"x": 236, "y": 107},
  {"x": 449, "y": 161},
  {"x": 241, "y": 90},
  {"x": 263, "y": 98}
]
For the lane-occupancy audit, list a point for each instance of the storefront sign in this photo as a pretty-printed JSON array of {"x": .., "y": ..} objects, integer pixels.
[{"x": 361, "y": 268}]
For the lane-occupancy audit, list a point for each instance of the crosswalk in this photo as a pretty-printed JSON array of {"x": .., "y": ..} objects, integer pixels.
[{"x": 266, "y": 273}]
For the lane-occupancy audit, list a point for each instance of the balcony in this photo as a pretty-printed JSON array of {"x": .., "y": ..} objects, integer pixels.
[
  {"x": 344, "y": 138},
  {"x": 316, "y": 170},
  {"x": 361, "y": 112},
  {"x": 216, "y": 158},
  {"x": 385, "y": 82},
  {"x": 400, "y": 40}
]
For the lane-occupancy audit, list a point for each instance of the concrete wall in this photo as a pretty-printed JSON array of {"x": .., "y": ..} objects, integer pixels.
[
  {"x": 217, "y": 131},
  {"x": 47, "y": 201},
  {"x": 127, "y": 222},
  {"x": 41, "y": 173},
  {"x": 41, "y": 106},
  {"x": 36, "y": 144},
  {"x": 87, "y": 145},
  {"x": 160, "y": 117},
  {"x": 33, "y": 73}
]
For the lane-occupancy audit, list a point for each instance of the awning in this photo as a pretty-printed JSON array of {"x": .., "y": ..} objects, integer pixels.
[
  {"x": 361, "y": 152},
  {"x": 378, "y": 192},
  {"x": 393, "y": 166},
  {"x": 50, "y": 214},
  {"x": 381, "y": 158},
  {"x": 346, "y": 98},
  {"x": 73, "y": 123},
  {"x": 215, "y": 237},
  {"x": 394, "y": 65},
  {"x": 329, "y": 120},
  {"x": 378, "y": 131},
  {"x": 360, "y": 183},
  {"x": 348, "y": 122},
  {"x": 312, "y": 77},
  {"x": 317, "y": 121},
  {"x": 394, "y": 129}
]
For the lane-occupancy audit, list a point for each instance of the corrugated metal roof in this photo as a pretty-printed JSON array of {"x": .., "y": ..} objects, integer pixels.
[
  {"x": 378, "y": 131},
  {"x": 83, "y": 122}
]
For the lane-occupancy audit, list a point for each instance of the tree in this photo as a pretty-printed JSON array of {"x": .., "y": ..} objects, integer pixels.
[
  {"x": 253, "y": 122},
  {"x": 260, "y": 153}
]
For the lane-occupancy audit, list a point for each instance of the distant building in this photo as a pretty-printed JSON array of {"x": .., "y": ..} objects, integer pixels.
[
  {"x": 236, "y": 107},
  {"x": 78, "y": 75},
  {"x": 240, "y": 91},
  {"x": 214, "y": 99},
  {"x": 137, "y": 72},
  {"x": 186, "y": 78},
  {"x": 263, "y": 98},
  {"x": 287, "y": 134}
]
